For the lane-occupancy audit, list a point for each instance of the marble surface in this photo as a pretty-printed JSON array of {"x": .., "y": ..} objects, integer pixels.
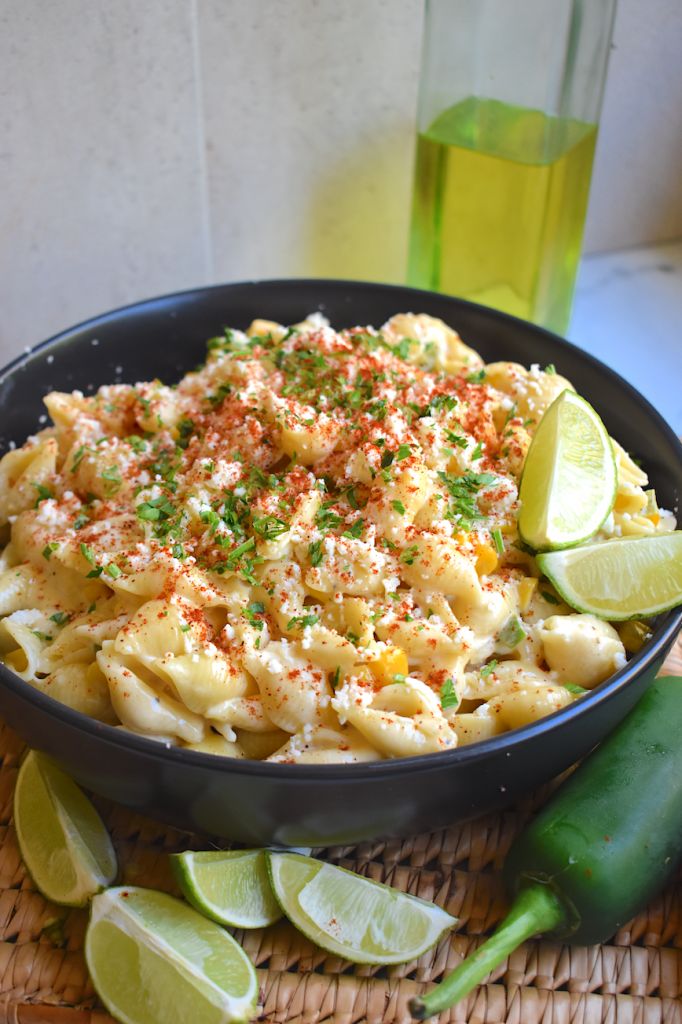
[{"x": 628, "y": 313}]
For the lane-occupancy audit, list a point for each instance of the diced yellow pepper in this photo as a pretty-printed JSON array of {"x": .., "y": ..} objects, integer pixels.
[
  {"x": 486, "y": 559},
  {"x": 392, "y": 661},
  {"x": 261, "y": 328},
  {"x": 527, "y": 588},
  {"x": 630, "y": 501}
]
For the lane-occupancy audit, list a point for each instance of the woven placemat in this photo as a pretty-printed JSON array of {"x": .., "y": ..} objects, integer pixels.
[{"x": 635, "y": 979}]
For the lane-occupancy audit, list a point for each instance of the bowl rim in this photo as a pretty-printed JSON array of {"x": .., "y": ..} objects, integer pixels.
[{"x": 507, "y": 742}]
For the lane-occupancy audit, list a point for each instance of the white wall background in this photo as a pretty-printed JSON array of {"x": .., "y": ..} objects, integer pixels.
[{"x": 155, "y": 145}]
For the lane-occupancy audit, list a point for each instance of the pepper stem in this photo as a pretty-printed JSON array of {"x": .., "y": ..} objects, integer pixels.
[{"x": 536, "y": 909}]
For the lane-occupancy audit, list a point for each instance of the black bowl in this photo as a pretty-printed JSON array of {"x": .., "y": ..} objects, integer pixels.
[{"x": 259, "y": 803}]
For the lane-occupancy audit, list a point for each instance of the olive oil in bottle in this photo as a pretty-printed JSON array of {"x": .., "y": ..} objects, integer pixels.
[{"x": 500, "y": 197}]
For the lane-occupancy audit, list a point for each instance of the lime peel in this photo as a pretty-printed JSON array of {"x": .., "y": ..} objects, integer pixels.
[
  {"x": 351, "y": 916},
  {"x": 231, "y": 887},
  {"x": 623, "y": 578},
  {"x": 177, "y": 965},
  {"x": 569, "y": 479},
  {"x": 62, "y": 839}
]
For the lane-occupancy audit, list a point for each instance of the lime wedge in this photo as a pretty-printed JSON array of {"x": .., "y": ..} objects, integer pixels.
[
  {"x": 154, "y": 960},
  {"x": 619, "y": 579},
  {"x": 351, "y": 916},
  {"x": 568, "y": 484},
  {"x": 62, "y": 839},
  {"x": 231, "y": 887}
]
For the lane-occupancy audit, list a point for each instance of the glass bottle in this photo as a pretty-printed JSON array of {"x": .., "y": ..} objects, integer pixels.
[{"x": 509, "y": 102}]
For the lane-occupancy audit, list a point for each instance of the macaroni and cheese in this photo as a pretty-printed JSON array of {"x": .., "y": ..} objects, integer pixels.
[{"x": 306, "y": 551}]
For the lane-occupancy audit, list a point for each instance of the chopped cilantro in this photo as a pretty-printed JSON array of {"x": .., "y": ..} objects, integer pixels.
[
  {"x": 447, "y": 402},
  {"x": 463, "y": 493},
  {"x": 355, "y": 531},
  {"x": 448, "y": 695},
  {"x": 241, "y": 549},
  {"x": 78, "y": 457},
  {"x": 550, "y": 368},
  {"x": 246, "y": 570},
  {"x": 476, "y": 378},
  {"x": 45, "y": 637},
  {"x": 49, "y": 548},
  {"x": 402, "y": 349},
  {"x": 137, "y": 443},
  {"x": 404, "y": 452},
  {"x": 219, "y": 395},
  {"x": 456, "y": 439},
  {"x": 487, "y": 669},
  {"x": 185, "y": 430},
  {"x": 409, "y": 554},
  {"x": 112, "y": 570},
  {"x": 352, "y": 498},
  {"x": 80, "y": 521},
  {"x": 251, "y": 613},
  {"x": 315, "y": 552},
  {"x": 301, "y": 621},
  {"x": 43, "y": 493},
  {"x": 60, "y": 618},
  {"x": 210, "y": 517},
  {"x": 398, "y": 507},
  {"x": 269, "y": 527},
  {"x": 155, "y": 510},
  {"x": 112, "y": 475},
  {"x": 325, "y": 518}
]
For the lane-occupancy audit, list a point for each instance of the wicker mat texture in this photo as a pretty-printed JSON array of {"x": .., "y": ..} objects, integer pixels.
[{"x": 635, "y": 979}]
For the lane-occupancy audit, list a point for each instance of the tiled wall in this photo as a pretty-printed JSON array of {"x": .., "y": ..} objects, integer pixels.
[{"x": 150, "y": 145}]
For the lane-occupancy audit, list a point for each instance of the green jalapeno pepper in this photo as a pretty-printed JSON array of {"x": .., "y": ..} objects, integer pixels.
[{"x": 605, "y": 843}]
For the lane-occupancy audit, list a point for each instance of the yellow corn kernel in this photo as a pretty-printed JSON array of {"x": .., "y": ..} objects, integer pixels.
[
  {"x": 261, "y": 328},
  {"x": 486, "y": 559},
  {"x": 527, "y": 588},
  {"x": 631, "y": 500},
  {"x": 389, "y": 663}
]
